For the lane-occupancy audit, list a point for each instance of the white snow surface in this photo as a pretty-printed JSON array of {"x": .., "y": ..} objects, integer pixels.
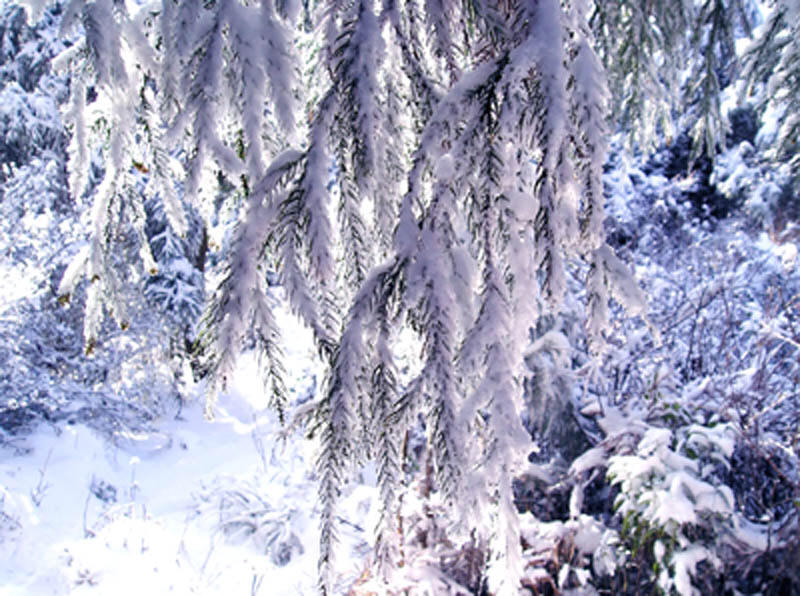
[{"x": 161, "y": 533}]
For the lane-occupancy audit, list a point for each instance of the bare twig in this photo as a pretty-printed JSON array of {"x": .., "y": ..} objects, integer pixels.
[{"x": 37, "y": 493}]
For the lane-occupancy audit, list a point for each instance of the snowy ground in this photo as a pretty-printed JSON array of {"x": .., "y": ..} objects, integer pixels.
[{"x": 220, "y": 507}]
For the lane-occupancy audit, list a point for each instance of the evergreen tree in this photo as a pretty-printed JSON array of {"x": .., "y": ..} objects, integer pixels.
[{"x": 434, "y": 168}]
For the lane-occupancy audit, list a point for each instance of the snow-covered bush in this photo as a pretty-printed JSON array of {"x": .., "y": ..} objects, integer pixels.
[
  {"x": 674, "y": 514},
  {"x": 571, "y": 556},
  {"x": 246, "y": 513},
  {"x": 431, "y": 554},
  {"x": 549, "y": 412},
  {"x": 768, "y": 192},
  {"x": 45, "y": 374},
  {"x": 682, "y": 527},
  {"x": 697, "y": 406}
]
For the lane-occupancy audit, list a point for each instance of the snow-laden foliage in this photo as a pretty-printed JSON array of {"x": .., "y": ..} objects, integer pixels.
[
  {"x": 245, "y": 512},
  {"x": 189, "y": 84},
  {"x": 46, "y": 376},
  {"x": 426, "y": 180},
  {"x": 669, "y": 62},
  {"x": 30, "y": 125},
  {"x": 774, "y": 72},
  {"x": 131, "y": 378},
  {"x": 682, "y": 426}
]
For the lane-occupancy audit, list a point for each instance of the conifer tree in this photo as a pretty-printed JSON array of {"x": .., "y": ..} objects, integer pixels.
[{"x": 430, "y": 165}]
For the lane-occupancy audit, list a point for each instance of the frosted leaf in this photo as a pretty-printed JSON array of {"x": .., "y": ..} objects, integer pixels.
[
  {"x": 673, "y": 505},
  {"x": 653, "y": 440},
  {"x": 555, "y": 344},
  {"x": 755, "y": 536},
  {"x": 65, "y": 59},
  {"x": 721, "y": 437},
  {"x": 615, "y": 422}
]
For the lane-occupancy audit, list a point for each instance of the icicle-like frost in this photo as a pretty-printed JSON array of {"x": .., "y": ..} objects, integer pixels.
[
  {"x": 139, "y": 220},
  {"x": 361, "y": 52},
  {"x": 93, "y": 316},
  {"x": 597, "y": 304},
  {"x": 205, "y": 91},
  {"x": 438, "y": 372},
  {"x": 103, "y": 41},
  {"x": 300, "y": 296},
  {"x": 506, "y": 567},
  {"x": 316, "y": 205},
  {"x": 544, "y": 48},
  {"x": 385, "y": 395},
  {"x": 546, "y": 44},
  {"x": 509, "y": 441},
  {"x": 440, "y": 15},
  {"x": 240, "y": 305},
  {"x": 391, "y": 167},
  {"x": 169, "y": 70},
  {"x": 162, "y": 172},
  {"x": 132, "y": 31},
  {"x": 240, "y": 295},
  {"x": 338, "y": 448}
]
